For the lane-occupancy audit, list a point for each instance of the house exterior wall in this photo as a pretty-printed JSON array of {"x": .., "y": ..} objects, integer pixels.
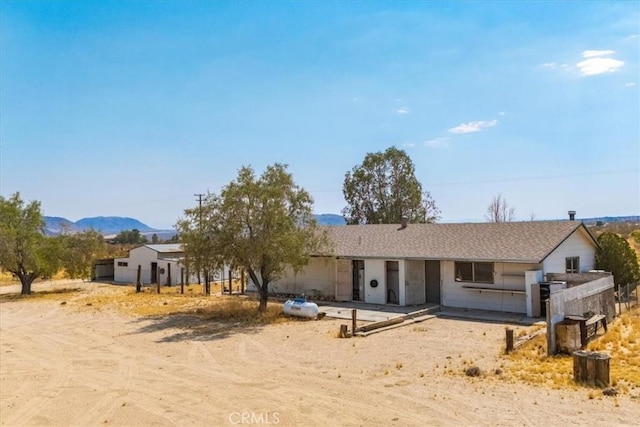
[
  {"x": 375, "y": 269},
  {"x": 317, "y": 278},
  {"x": 415, "y": 289},
  {"x": 507, "y": 277},
  {"x": 578, "y": 244}
]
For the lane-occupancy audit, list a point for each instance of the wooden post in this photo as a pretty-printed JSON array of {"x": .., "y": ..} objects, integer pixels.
[
  {"x": 168, "y": 274},
  {"x": 550, "y": 351},
  {"x": 230, "y": 282},
  {"x": 628, "y": 297},
  {"x": 138, "y": 282},
  {"x": 591, "y": 368},
  {"x": 182, "y": 280},
  {"x": 242, "y": 282},
  {"x": 353, "y": 321},
  {"x": 509, "y": 347},
  {"x": 343, "y": 331},
  {"x": 157, "y": 279}
]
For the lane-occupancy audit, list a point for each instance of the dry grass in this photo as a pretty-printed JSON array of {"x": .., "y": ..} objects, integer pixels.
[
  {"x": 531, "y": 364},
  {"x": 224, "y": 308}
]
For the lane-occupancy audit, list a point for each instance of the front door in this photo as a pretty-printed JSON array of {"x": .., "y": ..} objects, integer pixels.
[
  {"x": 432, "y": 282},
  {"x": 393, "y": 282},
  {"x": 358, "y": 279},
  {"x": 154, "y": 272}
]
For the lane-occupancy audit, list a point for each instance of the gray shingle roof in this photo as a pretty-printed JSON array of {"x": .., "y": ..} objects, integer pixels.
[{"x": 529, "y": 242}]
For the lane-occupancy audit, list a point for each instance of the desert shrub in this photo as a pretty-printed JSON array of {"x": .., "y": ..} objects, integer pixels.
[{"x": 472, "y": 371}]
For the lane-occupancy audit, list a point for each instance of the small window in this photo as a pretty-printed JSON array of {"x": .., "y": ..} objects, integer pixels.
[
  {"x": 123, "y": 264},
  {"x": 479, "y": 272},
  {"x": 464, "y": 272},
  {"x": 572, "y": 265}
]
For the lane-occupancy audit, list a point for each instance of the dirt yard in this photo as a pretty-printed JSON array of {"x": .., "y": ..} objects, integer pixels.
[{"x": 66, "y": 363}]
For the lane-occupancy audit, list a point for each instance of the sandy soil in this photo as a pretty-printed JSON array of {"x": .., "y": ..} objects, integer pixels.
[{"x": 66, "y": 365}]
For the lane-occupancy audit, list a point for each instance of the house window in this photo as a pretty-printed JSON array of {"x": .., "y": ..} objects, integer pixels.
[
  {"x": 572, "y": 265},
  {"x": 123, "y": 264},
  {"x": 479, "y": 272}
]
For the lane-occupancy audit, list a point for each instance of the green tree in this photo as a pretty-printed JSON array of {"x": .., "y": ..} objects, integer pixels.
[
  {"x": 262, "y": 224},
  {"x": 615, "y": 255},
  {"x": 195, "y": 232},
  {"x": 79, "y": 251},
  {"x": 131, "y": 237},
  {"x": 24, "y": 249},
  {"x": 384, "y": 189}
]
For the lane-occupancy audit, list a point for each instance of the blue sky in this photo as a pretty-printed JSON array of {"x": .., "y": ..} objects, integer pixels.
[{"x": 129, "y": 108}]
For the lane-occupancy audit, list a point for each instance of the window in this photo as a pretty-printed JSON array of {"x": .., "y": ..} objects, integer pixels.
[
  {"x": 479, "y": 272},
  {"x": 123, "y": 264},
  {"x": 572, "y": 265}
]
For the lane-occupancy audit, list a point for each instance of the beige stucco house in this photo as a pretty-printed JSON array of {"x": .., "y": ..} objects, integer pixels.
[{"x": 491, "y": 266}]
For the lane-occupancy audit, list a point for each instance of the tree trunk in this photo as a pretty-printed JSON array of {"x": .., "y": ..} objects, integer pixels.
[
  {"x": 26, "y": 280},
  {"x": 264, "y": 296}
]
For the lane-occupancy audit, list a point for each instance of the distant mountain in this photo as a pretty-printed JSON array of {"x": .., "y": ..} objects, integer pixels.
[
  {"x": 330, "y": 219},
  {"x": 103, "y": 224},
  {"x": 55, "y": 225},
  {"x": 610, "y": 219},
  {"x": 112, "y": 224}
]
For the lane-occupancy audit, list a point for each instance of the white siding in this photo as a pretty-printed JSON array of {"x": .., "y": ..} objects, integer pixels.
[
  {"x": 375, "y": 269},
  {"x": 507, "y": 277},
  {"x": 317, "y": 278},
  {"x": 578, "y": 244}
]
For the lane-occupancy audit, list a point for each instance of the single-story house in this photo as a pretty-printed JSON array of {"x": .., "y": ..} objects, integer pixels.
[
  {"x": 160, "y": 263},
  {"x": 489, "y": 266}
]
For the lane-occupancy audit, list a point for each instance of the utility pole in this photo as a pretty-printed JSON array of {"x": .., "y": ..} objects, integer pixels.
[{"x": 200, "y": 196}]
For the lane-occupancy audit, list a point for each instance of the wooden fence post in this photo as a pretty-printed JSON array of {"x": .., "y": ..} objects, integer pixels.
[
  {"x": 509, "y": 346},
  {"x": 343, "y": 331},
  {"x": 353, "y": 321},
  {"x": 138, "y": 282},
  {"x": 182, "y": 280},
  {"x": 157, "y": 279},
  {"x": 168, "y": 274},
  {"x": 242, "y": 282},
  {"x": 230, "y": 282}
]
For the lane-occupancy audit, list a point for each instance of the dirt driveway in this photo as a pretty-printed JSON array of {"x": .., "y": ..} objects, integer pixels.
[{"x": 70, "y": 365}]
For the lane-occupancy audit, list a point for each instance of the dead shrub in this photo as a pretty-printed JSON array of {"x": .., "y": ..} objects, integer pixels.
[{"x": 473, "y": 371}]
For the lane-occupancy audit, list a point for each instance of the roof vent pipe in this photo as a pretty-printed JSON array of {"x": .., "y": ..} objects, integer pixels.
[
  {"x": 405, "y": 222},
  {"x": 572, "y": 215}
]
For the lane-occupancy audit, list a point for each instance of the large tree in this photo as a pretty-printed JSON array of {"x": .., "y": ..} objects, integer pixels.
[
  {"x": 78, "y": 252},
  {"x": 384, "y": 189},
  {"x": 615, "y": 255},
  {"x": 27, "y": 253},
  {"x": 500, "y": 211},
  {"x": 196, "y": 231},
  {"x": 263, "y": 224}
]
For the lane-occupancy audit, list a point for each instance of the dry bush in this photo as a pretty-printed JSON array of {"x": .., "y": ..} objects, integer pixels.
[
  {"x": 473, "y": 371},
  {"x": 531, "y": 364}
]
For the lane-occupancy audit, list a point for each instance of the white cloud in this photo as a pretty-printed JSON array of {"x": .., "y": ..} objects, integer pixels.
[
  {"x": 502, "y": 114},
  {"x": 597, "y": 62},
  {"x": 409, "y": 144},
  {"x": 471, "y": 127},
  {"x": 630, "y": 84},
  {"x": 442, "y": 141},
  {"x": 597, "y": 53},
  {"x": 551, "y": 65},
  {"x": 403, "y": 110}
]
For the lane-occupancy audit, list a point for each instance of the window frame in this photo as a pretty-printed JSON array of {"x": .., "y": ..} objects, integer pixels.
[
  {"x": 572, "y": 265},
  {"x": 123, "y": 264},
  {"x": 474, "y": 275}
]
